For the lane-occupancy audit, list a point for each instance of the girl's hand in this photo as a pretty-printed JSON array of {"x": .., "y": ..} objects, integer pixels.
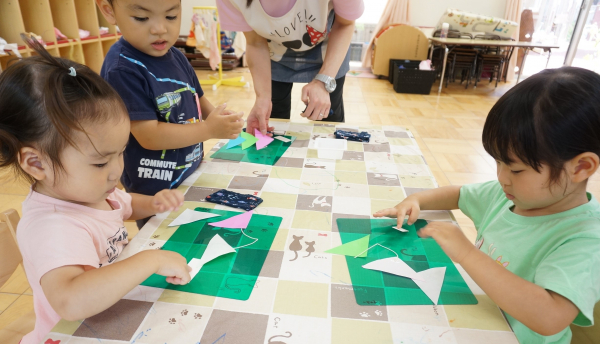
[
  {"x": 173, "y": 266},
  {"x": 450, "y": 238},
  {"x": 316, "y": 96},
  {"x": 167, "y": 200},
  {"x": 223, "y": 124},
  {"x": 410, "y": 206}
]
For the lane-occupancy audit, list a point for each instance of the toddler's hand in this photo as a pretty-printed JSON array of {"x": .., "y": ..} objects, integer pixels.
[
  {"x": 167, "y": 200},
  {"x": 409, "y": 206},
  {"x": 173, "y": 266},
  {"x": 450, "y": 238},
  {"x": 223, "y": 124}
]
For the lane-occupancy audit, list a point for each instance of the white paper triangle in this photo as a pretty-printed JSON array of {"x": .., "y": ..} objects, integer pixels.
[
  {"x": 431, "y": 283},
  {"x": 189, "y": 216},
  {"x": 394, "y": 266},
  {"x": 216, "y": 247}
]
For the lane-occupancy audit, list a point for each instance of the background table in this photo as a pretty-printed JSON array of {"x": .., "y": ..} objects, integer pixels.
[
  {"x": 453, "y": 42},
  {"x": 308, "y": 299}
]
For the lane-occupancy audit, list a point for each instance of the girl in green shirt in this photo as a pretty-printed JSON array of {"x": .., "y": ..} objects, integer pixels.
[{"x": 537, "y": 254}]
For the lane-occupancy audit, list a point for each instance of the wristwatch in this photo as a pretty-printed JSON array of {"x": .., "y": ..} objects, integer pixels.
[{"x": 328, "y": 81}]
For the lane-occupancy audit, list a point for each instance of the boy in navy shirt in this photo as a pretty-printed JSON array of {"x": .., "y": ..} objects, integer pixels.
[{"x": 162, "y": 93}]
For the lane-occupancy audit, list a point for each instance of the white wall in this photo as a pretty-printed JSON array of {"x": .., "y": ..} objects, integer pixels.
[
  {"x": 186, "y": 13},
  {"x": 428, "y": 12}
]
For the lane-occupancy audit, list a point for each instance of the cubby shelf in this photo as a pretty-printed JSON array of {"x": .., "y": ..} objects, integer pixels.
[{"x": 42, "y": 16}]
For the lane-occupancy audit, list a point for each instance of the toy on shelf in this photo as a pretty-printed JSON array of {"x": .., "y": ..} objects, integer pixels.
[
  {"x": 471, "y": 22},
  {"x": 206, "y": 27}
]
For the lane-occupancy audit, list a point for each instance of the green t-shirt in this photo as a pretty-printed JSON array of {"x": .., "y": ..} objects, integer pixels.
[{"x": 559, "y": 252}]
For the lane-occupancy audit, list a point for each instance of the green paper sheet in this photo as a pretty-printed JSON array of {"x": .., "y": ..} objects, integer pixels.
[
  {"x": 250, "y": 140},
  {"x": 232, "y": 275},
  {"x": 379, "y": 288},
  {"x": 266, "y": 156},
  {"x": 353, "y": 248}
]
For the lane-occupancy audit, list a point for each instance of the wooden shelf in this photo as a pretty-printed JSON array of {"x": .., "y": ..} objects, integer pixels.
[
  {"x": 108, "y": 37},
  {"x": 90, "y": 39},
  {"x": 68, "y": 16}
]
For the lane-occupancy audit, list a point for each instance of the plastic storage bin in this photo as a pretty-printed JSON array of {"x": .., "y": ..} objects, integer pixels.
[
  {"x": 413, "y": 80},
  {"x": 409, "y": 64}
]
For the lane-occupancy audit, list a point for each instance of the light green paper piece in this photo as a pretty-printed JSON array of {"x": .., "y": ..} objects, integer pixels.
[
  {"x": 250, "y": 140},
  {"x": 356, "y": 248}
]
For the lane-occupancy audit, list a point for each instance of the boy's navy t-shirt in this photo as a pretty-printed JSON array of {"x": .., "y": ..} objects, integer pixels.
[{"x": 155, "y": 88}]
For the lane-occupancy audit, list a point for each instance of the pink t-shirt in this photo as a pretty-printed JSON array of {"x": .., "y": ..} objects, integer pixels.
[
  {"x": 233, "y": 20},
  {"x": 55, "y": 233}
]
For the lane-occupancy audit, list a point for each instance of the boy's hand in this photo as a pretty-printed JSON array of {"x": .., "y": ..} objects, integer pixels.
[
  {"x": 223, "y": 124},
  {"x": 410, "y": 206},
  {"x": 167, "y": 200},
  {"x": 450, "y": 238},
  {"x": 173, "y": 266}
]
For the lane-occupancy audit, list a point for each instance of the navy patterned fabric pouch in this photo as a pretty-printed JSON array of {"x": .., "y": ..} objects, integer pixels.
[
  {"x": 351, "y": 136},
  {"x": 234, "y": 199}
]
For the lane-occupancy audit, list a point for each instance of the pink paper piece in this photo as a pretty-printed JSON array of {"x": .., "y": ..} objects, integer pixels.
[
  {"x": 263, "y": 140},
  {"x": 238, "y": 221}
]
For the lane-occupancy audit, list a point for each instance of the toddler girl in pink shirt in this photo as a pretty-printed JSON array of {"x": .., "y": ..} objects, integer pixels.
[{"x": 64, "y": 129}]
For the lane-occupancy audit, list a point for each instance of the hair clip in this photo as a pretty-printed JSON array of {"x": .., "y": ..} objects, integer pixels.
[{"x": 72, "y": 71}]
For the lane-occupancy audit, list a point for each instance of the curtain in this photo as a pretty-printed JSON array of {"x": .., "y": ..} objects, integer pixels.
[
  {"x": 395, "y": 12},
  {"x": 514, "y": 8}
]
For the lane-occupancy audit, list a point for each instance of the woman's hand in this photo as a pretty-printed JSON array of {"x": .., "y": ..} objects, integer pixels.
[
  {"x": 259, "y": 116},
  {"x": 450, "y": 238},
  {"x": 316, "y": 96}
]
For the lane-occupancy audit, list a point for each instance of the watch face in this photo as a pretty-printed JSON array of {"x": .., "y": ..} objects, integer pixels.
[{"x": 330, "y": 86}]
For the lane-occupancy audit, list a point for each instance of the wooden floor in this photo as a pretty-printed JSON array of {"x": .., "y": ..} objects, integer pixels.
[{"x": 447, "y": 127}]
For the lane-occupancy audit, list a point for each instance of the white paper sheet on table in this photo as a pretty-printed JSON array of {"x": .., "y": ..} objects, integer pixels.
[
  {"x": 216, "y": 247},
  {"x": 189, "y": 216},
  {"x": 330, "y": 148},
  {"x": 323, "y": 143},
  {"x": 330, "y": 154},
  {"x": 401, "y": 229}
]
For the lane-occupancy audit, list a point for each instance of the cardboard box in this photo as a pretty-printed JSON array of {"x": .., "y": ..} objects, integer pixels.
[{"x": 401, "y": 42}]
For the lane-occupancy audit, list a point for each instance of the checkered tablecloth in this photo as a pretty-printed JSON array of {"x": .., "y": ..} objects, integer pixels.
[{"x": 303, "y": 295}]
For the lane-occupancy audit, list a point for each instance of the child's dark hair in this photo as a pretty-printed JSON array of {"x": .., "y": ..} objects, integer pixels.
[
  {"x": 549, "y": 118},
  {"x": 42, "y": 103}
]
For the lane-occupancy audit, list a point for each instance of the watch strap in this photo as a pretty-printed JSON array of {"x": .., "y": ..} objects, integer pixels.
[{"x": 323, "y": 78}]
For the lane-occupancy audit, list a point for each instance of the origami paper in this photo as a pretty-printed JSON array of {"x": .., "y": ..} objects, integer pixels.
[
  {"x": 401, "y": 229},
  {"x": 250, "y": 140},
  {"x": 263, "y": 140},
  {"x": 238, "y": 221},
  {"x": 235, "y": 142},
  {"x": 394, "y": 266},
  {"x": 281, "y": 138},
  {"x": 431, "y": 283},
  {"x": 356, "y": 248},
  {"x": 189, "y": 216},
  {"x": 216, "y": 248}
]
